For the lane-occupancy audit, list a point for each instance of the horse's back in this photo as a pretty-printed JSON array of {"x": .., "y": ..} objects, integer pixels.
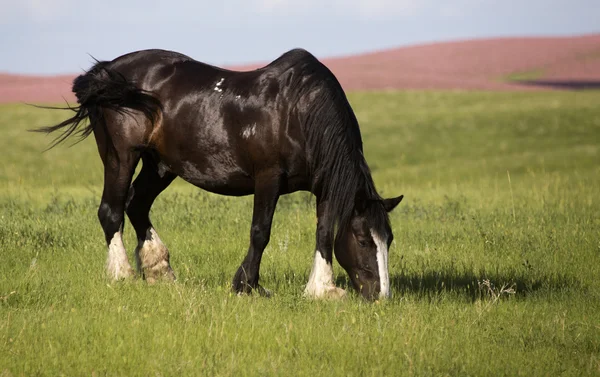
[{"x": 220, "y": 128}]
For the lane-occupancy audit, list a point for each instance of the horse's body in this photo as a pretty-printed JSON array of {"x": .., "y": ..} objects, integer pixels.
[{"x": 276, "y": 130}]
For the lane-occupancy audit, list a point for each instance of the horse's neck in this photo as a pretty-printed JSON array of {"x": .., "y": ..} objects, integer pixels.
[{"x": 367, "y": 183}]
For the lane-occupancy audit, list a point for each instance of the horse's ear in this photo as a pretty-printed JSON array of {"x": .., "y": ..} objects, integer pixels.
[{"x": 390, "y": 204}]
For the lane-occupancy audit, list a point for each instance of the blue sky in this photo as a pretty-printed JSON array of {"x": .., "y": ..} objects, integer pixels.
[{"x": 56, "y": 36}]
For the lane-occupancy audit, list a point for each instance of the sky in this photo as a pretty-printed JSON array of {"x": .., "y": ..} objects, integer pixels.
[{"x": 58, "y": 36}]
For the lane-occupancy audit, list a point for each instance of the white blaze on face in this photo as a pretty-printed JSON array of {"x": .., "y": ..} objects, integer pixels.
[
  {"x": 321, "y": 277},
  {"x": 382, "y": 265},
  {"x": 117, "y": 265}
]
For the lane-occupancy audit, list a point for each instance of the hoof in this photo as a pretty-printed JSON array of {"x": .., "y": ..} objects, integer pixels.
[
  {"x": 244, "y": 284},
  {"x": 335, "y": 293},
  {"x": 160, "y": 272},
  {"x": 258, "y": 290},
  {"x": 121, "y": 275},
  {"x": 119, "y": 272},
  {"x": 263, "y": 292},
  {"x": 331, "y": 293}
]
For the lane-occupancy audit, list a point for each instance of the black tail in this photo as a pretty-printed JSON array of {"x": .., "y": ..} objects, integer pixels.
[{"x": 97, "y": 89}]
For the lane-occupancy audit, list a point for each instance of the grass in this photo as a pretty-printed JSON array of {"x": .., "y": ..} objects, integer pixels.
[
  {"x": 490, "y": 276},
  {"x": 529, "y": 75},
  {"x": 588, "y": 56}
]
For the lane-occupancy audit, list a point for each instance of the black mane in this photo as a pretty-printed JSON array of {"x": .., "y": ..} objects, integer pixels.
[{"x": 339, "y": 171}]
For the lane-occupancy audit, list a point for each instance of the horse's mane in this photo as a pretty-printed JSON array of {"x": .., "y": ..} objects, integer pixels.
[{"x": 338, "y": 169}]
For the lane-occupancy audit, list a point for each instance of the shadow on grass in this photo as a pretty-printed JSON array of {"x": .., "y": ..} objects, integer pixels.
[
  {"x": 563, "y": 84},
  {"x": 473, "y": 286}
]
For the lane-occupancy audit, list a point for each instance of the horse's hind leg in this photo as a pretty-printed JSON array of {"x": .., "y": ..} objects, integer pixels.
[
  {"x": 118, "y": 172},
  {"x": 151, "y": 255}
]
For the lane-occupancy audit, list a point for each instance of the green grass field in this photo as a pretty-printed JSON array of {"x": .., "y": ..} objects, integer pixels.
[{"x": 495, "y": 267}]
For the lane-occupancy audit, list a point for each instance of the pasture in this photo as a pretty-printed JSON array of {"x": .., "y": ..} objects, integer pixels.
[{"x": 495, "y": 266}]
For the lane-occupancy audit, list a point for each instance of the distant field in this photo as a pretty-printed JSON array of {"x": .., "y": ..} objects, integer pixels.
[
  {"x": 478, "y": 64},
  {"x": 495, "y": 267}
]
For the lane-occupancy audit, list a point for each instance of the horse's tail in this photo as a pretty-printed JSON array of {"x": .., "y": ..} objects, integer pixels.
[{"x": 102, "y": 88}]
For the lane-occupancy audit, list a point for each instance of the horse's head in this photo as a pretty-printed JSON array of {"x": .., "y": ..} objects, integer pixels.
[{"x": 362, "y": 246}]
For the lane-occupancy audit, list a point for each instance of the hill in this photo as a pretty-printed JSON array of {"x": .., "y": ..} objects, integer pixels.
[{"x": 484, "y": 64}]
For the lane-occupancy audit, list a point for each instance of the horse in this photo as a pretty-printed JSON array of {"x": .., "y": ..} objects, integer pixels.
[{"x": 268, "y": 132}]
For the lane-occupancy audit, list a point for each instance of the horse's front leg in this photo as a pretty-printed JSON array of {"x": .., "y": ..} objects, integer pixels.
[
  {"x": 320, "y": 283},
  {"x": 265, "y": 199}
]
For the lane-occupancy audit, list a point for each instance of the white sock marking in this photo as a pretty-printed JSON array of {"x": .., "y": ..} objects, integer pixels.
[
  {"x": 382, "y": 264},
  {"x": 152, "y": 241},
  {"x": 151, "y": 251},
  {"x": 117, "y": 264},
  {"x": 321, "y": 277}
]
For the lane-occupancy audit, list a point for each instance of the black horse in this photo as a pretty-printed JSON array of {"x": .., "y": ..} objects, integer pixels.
[{"x": 273, "y": 131}]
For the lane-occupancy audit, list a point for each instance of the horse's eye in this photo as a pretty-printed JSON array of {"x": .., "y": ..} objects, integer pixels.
[{"x": 363, "y": 243}]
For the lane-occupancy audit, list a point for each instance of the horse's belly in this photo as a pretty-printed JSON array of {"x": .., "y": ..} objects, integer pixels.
[{"x": 218, "y": 178}]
